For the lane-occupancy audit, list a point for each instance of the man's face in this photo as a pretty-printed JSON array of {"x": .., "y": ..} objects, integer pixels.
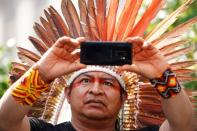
[{"x": 95, "y": 95}]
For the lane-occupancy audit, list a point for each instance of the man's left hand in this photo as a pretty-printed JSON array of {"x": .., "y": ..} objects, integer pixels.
[{"x": 147, "y": 60}]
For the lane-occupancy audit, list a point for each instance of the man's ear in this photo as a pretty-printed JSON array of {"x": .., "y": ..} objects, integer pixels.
[{"x": 67, "y": 94}]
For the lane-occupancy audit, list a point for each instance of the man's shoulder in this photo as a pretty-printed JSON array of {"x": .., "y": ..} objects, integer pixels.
[
  {"x": 65, "y": 126},
  {"x": 40, "y": 125},
  {"x": 150, "y": 128}
]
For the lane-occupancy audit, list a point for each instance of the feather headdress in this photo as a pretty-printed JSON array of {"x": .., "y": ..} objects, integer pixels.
[{"x": 103, "y": 20}]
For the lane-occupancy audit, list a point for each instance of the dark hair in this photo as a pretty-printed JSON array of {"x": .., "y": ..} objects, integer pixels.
[{"x": 118, "y": 124}]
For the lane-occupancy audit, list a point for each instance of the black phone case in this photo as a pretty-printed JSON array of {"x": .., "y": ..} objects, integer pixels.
[{"x": 106, "y": 53}]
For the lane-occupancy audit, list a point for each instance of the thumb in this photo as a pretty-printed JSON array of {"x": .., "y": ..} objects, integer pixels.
[
  {"x": 81, "y": 39},
  {"x": 130, "y": 68}
]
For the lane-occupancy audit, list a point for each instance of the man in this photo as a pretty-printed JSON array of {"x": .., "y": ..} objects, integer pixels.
[{"x": 95, "y": 96}]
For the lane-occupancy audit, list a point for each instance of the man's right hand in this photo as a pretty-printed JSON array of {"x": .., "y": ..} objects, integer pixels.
[{"x": 59, "y": 60}]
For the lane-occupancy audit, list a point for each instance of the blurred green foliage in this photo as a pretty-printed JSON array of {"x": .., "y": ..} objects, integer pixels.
[
  {"x": 4, "y": 70},
  {"x": 171, "y": 6},
  {"x": 192, "y": 85},
  {"x": 190, "y": 13}
]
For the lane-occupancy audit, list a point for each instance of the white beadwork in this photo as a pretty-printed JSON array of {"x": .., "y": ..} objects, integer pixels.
[{"x": 106, "y": 69}]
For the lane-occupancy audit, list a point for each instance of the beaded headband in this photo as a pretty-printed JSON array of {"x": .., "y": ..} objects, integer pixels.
[{"x": 106, "y": 69}]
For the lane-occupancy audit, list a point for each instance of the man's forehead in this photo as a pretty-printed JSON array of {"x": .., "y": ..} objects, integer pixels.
[
  {"x": 98, "y": 74},
  {"x": 97, "y": 71}
]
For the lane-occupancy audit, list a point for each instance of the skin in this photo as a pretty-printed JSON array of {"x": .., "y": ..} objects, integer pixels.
[
  {"x": 59, "y": 60},
  {"x": 95, "y": 98}
]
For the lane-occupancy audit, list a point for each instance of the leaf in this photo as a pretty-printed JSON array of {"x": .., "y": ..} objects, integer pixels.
[
  {"x": 4, "y": 86},
  {"x": 2, "y": 71}
]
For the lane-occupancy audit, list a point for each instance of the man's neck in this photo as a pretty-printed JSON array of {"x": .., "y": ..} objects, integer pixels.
[{"x": 84, "y": 124}]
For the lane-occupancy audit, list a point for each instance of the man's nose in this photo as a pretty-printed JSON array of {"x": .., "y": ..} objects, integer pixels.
[{"x": 96, "y": 89}]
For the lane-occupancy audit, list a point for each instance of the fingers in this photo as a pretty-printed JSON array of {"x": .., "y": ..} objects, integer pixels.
[
  {"x": 74, "y": 57},
  {"x": 68, "y": 43},
  {"x": 81, "y": 39},
  {"x": 61, "y": 41},
  {"x": 139, "y": 46},
  {"x": 130, "y": 68},
  {"x": 150, "y": 50},
  {"x": 137, "y": 43},
  {"x": 136, "y": 40},
  {"x": 76, "y": 66}
]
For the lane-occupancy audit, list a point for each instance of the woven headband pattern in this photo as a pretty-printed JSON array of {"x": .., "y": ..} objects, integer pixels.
[{"x": 106, "y": 69}]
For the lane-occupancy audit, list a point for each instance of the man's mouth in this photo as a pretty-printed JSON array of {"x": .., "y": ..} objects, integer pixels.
[{"x": 95, "y": 102}]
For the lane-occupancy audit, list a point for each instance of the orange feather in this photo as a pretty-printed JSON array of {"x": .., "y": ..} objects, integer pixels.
[
  {"x": 124, "y": 19},
  {"x": 111, "y": 18},
  {"x": 101, "y": 18},
  {"x": 150, "y": 13},
  {"x": 59, "y": 23},
  {"x": 84, "y": 20},
  {"x": 48, "y": 28},
  {"x": 132, "y": 19},
  {"x": 92, "y": 20}
]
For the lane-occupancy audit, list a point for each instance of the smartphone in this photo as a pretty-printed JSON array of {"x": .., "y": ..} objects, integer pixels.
[{"x": 105, "y": 53}]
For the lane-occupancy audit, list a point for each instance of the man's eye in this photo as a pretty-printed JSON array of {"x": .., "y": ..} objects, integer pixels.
[
  {"x": 108, "y": 83},
  {"x": 85, "y": 80}
]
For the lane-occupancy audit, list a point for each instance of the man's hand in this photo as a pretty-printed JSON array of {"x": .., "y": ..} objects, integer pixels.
[
  {"x": 59, "y": 59},
  {"x": 147, "y": 60}
]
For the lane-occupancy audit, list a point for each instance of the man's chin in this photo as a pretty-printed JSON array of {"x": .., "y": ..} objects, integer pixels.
[
  {"x": 95, "y": 114},
  {"x": 95, "y": 117}
]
